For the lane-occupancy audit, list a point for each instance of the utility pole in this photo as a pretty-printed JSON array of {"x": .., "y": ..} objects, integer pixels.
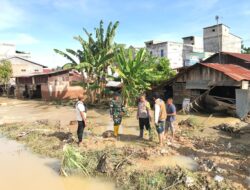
[{"x": 218, "y": 36}]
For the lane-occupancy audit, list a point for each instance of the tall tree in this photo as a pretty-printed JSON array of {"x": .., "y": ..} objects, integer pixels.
[
  {"x": 96, "y": 55},
  {"x": 5, "y": 74}
]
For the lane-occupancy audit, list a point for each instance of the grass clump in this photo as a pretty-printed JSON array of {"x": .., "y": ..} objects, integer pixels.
[{"x": 74, "y": 162}]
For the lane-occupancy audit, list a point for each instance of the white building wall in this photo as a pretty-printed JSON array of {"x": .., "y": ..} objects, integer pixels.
[
  {"x": 175, "y": 54},
  {"x": 231, "y": 43},
  {"x": 7, "y": 50},
  {"x": 171, "y": 50}
]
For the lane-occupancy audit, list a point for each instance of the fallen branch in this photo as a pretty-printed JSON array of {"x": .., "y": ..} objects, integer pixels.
[
  {"x": 174, "y": 184},
  {"x": 123, "y": 161}
]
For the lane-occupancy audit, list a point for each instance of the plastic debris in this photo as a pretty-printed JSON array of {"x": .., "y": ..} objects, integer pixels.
[{"x": 218, "y": 178}]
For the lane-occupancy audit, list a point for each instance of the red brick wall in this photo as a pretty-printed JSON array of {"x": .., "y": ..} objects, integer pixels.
[{"x": 69, "y": 92}]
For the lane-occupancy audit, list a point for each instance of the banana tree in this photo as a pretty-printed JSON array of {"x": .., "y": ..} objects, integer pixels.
[
  {"x": 133, "y": 70},
  {"x": 96, "y": 55}
]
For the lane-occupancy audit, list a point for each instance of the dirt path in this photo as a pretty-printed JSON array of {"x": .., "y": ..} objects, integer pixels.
[{"x": 12, "y": 110}]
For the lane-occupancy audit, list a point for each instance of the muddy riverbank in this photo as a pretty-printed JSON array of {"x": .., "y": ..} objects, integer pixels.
[
  {"x": 202, "y": 152},
  {"x": 22, "y": 170}
]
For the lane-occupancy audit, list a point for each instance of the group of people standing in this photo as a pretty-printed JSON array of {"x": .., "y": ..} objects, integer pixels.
[{"x": 164, "y": 116}]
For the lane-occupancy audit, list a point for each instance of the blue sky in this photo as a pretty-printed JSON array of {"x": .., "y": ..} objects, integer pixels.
[{"x": 38, "y": 26}]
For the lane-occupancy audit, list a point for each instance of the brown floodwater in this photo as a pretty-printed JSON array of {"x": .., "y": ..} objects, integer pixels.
[{"x": 22, "y": 170}]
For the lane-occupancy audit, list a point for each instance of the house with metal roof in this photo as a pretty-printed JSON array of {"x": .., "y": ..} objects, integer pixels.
[
  {"x": 21, "y": 66},
  {"x": 211, "y": 87},
  {"x": 228, "y": 57},
  {"x": 50, "y": 85}
]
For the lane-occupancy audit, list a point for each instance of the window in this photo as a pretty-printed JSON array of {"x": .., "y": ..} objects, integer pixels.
[
  {"x": 151, "y": 53},
  {"x": 23, "y": 70},
  {"x": 36, "y": 70},
  {"x": 213, "y": 30},
  {"x": 162, "y": 53}
]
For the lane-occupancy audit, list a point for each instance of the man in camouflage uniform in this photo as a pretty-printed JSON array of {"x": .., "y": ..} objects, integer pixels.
[{"x": 117, "y": 110}]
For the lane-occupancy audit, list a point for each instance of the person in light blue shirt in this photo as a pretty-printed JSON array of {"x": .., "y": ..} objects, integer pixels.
[{"x": 171, "y": 116}]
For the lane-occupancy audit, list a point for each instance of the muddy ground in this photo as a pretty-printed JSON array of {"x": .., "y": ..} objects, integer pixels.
[{"x": 199, "y": 147}]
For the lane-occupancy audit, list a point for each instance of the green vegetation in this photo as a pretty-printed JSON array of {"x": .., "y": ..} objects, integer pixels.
[
  {"x": 73, "y": 160},
  {"x": 94, "y": 58},
  {"x": 245, "y": 49},
  {"x": 133, "y": 71},
  {"x": 138, "y": 71},
  {"x": 5, "y": 74}
]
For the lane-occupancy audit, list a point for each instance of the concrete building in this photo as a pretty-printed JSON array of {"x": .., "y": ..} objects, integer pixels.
[
  {"x": 192, "y": 50},
  {"x": 194, "y": 43},
  {"x": 9, "y": 50},
  {"x": 21, "y": 66},
  {"x": 218, "y": 38},
  {"x": 173, "y": 51}
]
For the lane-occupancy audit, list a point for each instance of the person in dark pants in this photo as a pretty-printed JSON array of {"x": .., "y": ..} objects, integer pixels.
[
  {"x": 144, "y": 116},
  {"x": 171, "y": 114},
  {"x": 81, "y": 117}
]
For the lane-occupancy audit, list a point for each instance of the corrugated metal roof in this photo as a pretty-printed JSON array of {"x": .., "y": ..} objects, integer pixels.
[
  {"x": 243, "y": 56},
  {"x": 235, "y": 72},
  {"x": 44, "y": 73}
]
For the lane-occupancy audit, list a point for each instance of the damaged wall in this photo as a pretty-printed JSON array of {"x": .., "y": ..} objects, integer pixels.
[
  {"x": 242, "y": 102},
  {"x": 49, "y": 87}
]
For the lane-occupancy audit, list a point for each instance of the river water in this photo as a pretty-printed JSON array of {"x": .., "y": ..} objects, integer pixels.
[{"x": 22, "y": 170}]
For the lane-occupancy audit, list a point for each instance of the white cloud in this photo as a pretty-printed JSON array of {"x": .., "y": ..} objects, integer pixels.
[
  {"x": 11, "y": 16},
  {"x": 22, "y": 39}
]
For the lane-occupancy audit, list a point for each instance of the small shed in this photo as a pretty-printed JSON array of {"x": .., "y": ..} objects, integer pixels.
[
  {"x": 51, "y": 85},
  {"x": 222, "y": 87}
]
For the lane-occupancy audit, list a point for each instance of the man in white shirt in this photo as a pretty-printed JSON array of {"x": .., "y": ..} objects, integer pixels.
[{"x": 81, "y": 117}]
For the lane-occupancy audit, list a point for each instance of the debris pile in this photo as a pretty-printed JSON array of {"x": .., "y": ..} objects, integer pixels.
[
  {"x": 232, "y": 130},
  {"x": 108, "y": 134},
  {"x": 189, "y": 122}
]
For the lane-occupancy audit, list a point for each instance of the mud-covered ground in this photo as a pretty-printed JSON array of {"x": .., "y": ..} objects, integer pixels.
[{"x": 199, "y": 148}]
